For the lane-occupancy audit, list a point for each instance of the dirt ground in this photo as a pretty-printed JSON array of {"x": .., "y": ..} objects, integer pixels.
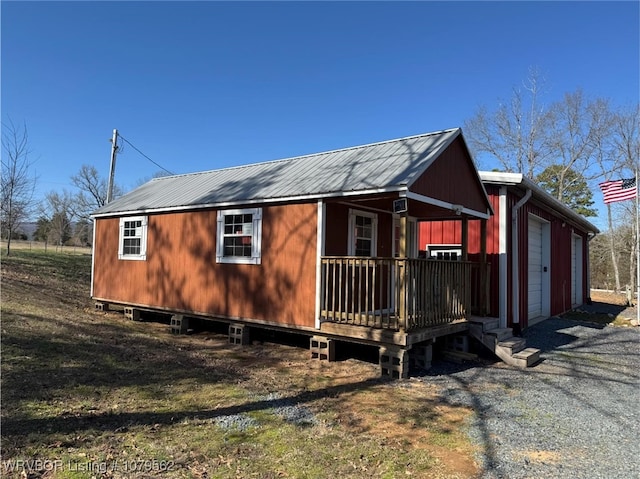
[
  {"x": 611, "y": 302},
  {"x": 84, "y": 388}
]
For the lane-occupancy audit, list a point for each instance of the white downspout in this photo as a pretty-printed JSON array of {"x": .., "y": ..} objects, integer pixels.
[
  {"x": 515, "y": 277},
  {"x": 503, "y": 309},
  {"x": 590, "y": 236}
]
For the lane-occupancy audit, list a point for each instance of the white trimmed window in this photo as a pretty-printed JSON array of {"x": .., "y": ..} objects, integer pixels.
[
  {"x": 363, "y": 233},
  {"x": 451, "y": 252},
  {"x": 239, "y": 236},
  {"x": 132, "y": 243}
]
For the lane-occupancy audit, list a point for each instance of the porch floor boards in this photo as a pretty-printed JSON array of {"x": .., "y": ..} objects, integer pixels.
[{"x": 369, "y": 335}]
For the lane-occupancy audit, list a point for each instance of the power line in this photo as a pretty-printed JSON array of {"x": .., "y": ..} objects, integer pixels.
[{"x": 134, "y": 147}]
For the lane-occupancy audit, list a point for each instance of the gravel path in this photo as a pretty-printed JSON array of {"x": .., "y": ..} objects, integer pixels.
[{"x": 576, "y": 414}]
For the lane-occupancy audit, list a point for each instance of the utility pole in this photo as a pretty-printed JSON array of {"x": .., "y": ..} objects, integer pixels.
[{"x": 112, "y": 167}]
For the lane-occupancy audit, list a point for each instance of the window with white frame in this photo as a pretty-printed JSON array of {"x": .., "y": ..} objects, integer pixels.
[
  {"x": 445, "y": 252},
  {"x": 132, "y": 243},
  {"x": 363, "y": 232},
  {"x": 239, "y": 236}
]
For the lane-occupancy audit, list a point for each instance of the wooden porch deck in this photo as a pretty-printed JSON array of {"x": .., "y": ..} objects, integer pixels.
[{"x": 377, "y": 336}]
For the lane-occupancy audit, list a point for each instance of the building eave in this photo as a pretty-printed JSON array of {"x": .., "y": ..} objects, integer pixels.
[
  {"x": 255, "y": 201},
  {"x": 518, "y": 180}
]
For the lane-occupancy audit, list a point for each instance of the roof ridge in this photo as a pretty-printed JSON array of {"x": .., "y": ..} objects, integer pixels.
[{"x": 302, "y": 157}]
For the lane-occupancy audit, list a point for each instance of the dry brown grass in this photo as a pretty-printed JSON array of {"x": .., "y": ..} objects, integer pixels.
[
  {"x": 609, "y": 297},
  {"x": 101, "y": 394},
  {"x": 607, "y": 308}
]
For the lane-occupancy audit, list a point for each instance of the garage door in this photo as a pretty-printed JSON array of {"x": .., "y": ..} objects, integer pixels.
[
  {"x": 573, "y": 272},
  {"x": 576, "y": 271},
  {"x": 535, "y": 268}
]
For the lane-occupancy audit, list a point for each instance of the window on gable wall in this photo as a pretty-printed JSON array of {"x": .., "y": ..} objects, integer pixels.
[
  {"x": 445, "y": 252},
  {"x": 239, "y": 236},
  {"x": 132, "y": 243}
]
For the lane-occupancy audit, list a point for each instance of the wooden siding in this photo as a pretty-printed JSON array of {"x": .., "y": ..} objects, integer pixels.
[
  {"x": 452, "y": 178},
  {"x": 449, "y": 232},
  {"x": 337, "y": 230},
  {"x": 181, "y": 272}
]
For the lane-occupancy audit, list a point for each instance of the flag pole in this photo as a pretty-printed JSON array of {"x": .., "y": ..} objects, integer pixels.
[{"x": 637, "y": 249}]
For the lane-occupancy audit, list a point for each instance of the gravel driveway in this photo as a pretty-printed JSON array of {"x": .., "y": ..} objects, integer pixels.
[{"x": 576, "y": 414}]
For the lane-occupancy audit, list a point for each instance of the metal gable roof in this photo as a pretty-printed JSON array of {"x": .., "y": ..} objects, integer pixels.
[
  {"x": 386, "y": 166},
  {"x": 521, "y": 181}
]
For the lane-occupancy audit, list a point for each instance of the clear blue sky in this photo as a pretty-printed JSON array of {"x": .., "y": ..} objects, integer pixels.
[{"x": 204, "y": 85}]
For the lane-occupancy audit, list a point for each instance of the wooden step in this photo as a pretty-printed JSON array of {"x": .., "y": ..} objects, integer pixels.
[
  {"x": 529, "y": 356},
  {"x": 485, "y": 323},
  {"x": 512, "y": 350},
  {"x": 501, "y": 334},
  {"x": 512, "y": 345}
]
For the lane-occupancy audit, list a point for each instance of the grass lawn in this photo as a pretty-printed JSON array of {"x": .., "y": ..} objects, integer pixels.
[{"x": 91, "y": 394}]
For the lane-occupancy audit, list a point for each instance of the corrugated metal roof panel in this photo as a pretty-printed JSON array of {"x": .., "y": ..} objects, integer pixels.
[
  {"x": 386, "y": 165},
  {"x": 518, "y": 179}
]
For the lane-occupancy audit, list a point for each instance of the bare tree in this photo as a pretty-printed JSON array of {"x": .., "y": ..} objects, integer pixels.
[
  {"x": 626, "y": 138},
  {"x": 92, "y": 195},
  {"x": 58, "y": 209},
  {"x": 626, "y": 142},
  {"x": 17, "y": 183},
  {"x": 516, "y": 133},
  {"x": 576, "y": 125},
  {"x": 616, "y": 151},
  {"x": 92, "y": 190}
]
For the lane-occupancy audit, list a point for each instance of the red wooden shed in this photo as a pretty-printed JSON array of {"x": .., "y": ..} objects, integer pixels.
[{"x": 323, "y": 244}]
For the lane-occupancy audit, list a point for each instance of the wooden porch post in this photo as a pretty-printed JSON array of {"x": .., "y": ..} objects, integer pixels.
[
  {"x": 402, "y": 303},
  {"x": 484, "y": 268},
  {"x": 483, "y": 240},
  {"x": 465, "y": 239}
]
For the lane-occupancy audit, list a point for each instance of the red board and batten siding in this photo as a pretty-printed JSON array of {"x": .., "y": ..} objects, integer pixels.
[
  {"x": 453, "y": 178},
  {"x": 181, "y": 273},
  {"x": 559, "y": 268},
  {"x": 337, "y": 230},
  {"x": 448, "y": 232}
]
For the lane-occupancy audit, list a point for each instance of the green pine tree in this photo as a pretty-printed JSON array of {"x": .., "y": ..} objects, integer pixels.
[{"x": 576, "y": 193}]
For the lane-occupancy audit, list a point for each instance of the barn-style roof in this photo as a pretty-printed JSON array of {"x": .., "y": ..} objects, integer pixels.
[{"x": 374, "y": 168}]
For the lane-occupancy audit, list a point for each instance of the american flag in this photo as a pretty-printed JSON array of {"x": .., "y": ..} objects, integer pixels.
[{"x": 619, "y": 190}]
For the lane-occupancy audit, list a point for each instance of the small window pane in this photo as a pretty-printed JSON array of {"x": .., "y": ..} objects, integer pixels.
[
  {"x": 238, "y": 231},
  {"x": 131, "y": 246},
  {"x": 237, "y": 246},
  {"x": 363, "y": 247}
]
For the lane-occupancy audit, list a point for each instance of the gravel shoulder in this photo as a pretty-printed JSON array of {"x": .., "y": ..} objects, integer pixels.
[{"x": 574, "y": 415}]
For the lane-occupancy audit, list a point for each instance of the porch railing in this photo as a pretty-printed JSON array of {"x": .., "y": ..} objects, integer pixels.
[{"x": 393, "y": 293}]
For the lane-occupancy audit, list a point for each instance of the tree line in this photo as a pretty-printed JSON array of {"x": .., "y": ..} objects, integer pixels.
[
  {"x": 63, "y": 217},
  {"x": 567, "y": 147}
]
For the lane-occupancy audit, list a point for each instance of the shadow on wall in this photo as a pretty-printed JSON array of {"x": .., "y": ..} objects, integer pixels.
[{"x": 185, "y": 274}]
